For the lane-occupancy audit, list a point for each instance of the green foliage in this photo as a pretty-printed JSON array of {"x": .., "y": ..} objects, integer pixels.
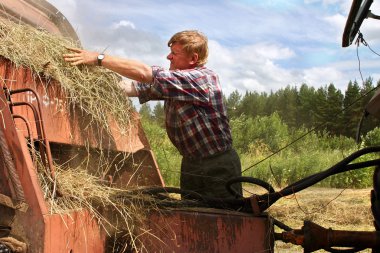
[
  {"x": 159, "y": 114},
  {"x": 145, "y": 111},
  {"x": 268, "y": 129},
  {"x": 372, "y": 138},
  {"x": 285, "y": 136},
  {"x": 311, "y": 154},
  {"x": 325, "y": 108},
  {"x": 314, "y": 152},
  {"x": 167, "y": 156}
]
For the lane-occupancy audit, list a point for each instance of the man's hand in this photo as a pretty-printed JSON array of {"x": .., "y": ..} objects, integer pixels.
[
  {"x": 80, "y": 56},
  {"x": 129, "y": 68}
]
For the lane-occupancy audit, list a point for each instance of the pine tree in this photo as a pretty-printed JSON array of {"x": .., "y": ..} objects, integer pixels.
[
  {"x": 352, "y": 110},
  {"x": 145, "y": 111},
  {"x": 307, "y": 104},
  {"x": 159, "y": 114}
]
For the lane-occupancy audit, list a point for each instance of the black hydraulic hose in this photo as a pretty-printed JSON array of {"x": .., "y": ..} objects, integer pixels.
[
  {"x": 266, "y": 200},
  {"x": 359, "y": 128},
  {"x": 282, "y": 225},
  {"x": 251, "y": 180},
  {"x": 190, "y": 198},
  {"x": 348, "y": 167},
  {"x": 193, "y": 199}
]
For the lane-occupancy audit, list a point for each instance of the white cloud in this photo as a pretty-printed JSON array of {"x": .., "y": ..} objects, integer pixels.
[
  {"x": 252, "y": 46},
  {"x": 123, "y": 23},
  {"x": 252, "y": 67},
  {"x": 266, "y": 50},
  {"x": 321, "y": 76}
]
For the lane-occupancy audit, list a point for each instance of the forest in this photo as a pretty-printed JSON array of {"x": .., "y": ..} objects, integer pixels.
[{"x": 286, "y": 135}]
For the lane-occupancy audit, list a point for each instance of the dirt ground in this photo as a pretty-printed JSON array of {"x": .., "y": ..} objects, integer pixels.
[{"x": 338, "y": 209}]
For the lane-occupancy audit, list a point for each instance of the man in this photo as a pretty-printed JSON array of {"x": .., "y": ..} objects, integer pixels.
[{"x": 196, "y": 120}]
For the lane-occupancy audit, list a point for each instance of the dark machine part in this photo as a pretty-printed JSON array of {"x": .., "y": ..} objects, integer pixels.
[
  {"x": 373, "y": 106},
  {"x": 358, "y": 12},
  {"x": 313, "y": 237}
]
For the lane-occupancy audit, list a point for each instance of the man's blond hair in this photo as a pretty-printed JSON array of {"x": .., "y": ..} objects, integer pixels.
[{"x": 192, "y": 41}]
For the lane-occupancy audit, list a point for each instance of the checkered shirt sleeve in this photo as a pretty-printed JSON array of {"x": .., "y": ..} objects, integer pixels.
[{"x": 196, "y": 118}]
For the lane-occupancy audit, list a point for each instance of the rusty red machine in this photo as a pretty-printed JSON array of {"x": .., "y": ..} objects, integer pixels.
[{"x": 32, "y": 113}]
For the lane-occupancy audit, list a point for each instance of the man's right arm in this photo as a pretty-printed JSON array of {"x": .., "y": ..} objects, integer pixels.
[{"x": 129, "y": 68}]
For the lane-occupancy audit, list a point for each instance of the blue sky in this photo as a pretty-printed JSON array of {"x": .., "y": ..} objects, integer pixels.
[{"x": 255, "y": 45}]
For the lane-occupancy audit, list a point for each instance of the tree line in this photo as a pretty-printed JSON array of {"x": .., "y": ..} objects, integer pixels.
[
  {"x": 325, "y": 109},
  {"x": 320, "y": 123}
]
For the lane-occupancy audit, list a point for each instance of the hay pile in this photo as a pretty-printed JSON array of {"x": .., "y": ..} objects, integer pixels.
[
  {"x": 95, "y": 91},
  {"x": 120, "y": 212},
  {"x": 92, "y": 89}
]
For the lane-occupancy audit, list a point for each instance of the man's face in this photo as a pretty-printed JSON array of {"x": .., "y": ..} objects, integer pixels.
[{"x": 179, "y": 60}]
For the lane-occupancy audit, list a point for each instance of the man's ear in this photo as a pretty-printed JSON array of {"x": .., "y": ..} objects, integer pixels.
[{"x": 194, "y": 59}]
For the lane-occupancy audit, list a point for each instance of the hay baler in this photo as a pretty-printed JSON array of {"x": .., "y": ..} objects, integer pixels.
[
  {"x": 38, "y": 128},
  {"x": 34, "y": 113}
]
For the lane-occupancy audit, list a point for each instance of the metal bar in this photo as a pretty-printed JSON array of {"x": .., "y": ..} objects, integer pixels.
[
  {"x": 30, "y": 134},
  {"x": 47, "y": 145}
]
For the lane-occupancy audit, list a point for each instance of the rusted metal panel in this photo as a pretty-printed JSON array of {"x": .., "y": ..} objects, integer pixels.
[
  {"x": 63, "y": 125},
  {"x": 76, "y": 231},
  {"x": 208, "y": 231},
  {"x": 33, "y": 217},
  {"x": 42, "y": 231}
]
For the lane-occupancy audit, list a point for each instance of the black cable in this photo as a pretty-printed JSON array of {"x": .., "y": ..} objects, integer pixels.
[
  {"x": 266, "y": 200},
  {"x": 190, "y": 199},
  {"x": 310, "y": 131},
  {"x": 358, "y": 130},
  {"x": 251, "y": 180},
  {"x": 373, "y": 50},
  {"x": 359, "y": 40},
  {"x": 193, "y": 199},
  {"x": 282, "y": 225}
]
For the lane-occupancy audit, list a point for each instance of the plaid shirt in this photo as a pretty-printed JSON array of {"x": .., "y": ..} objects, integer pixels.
[{"x": 196, "y": 118}]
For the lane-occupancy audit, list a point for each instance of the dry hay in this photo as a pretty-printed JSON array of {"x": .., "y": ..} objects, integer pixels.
[
  {"x": 96, "y": 92},
  {"x": 92, "y": 89},
  {"x": 121, "y": 213},
  {"x": 345, "y": 209}
]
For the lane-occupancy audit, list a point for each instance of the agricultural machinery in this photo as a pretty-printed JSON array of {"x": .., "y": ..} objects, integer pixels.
[{"x": 34, "y": 113}]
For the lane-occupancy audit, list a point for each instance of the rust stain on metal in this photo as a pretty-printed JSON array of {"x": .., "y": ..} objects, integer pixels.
[{"x": 209, "y": 231}]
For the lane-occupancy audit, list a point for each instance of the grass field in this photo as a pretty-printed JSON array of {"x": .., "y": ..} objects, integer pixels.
[{"x": 338, "y": 209}]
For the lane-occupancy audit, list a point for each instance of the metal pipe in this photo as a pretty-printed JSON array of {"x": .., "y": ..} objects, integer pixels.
[
  {"x": 30, "y": 134},
  {"x": 313, "y": 237},
  {"x": 47, "y": 145}
]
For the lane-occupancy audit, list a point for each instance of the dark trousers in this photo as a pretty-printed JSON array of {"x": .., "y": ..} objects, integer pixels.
[{"x": 208, "y": 176}]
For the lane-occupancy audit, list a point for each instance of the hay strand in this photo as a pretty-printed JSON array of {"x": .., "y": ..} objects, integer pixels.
[{"x": 92, "y": 89}]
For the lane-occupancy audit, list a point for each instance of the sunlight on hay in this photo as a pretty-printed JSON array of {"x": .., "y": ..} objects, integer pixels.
[{"x": 92, "y": 89}]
